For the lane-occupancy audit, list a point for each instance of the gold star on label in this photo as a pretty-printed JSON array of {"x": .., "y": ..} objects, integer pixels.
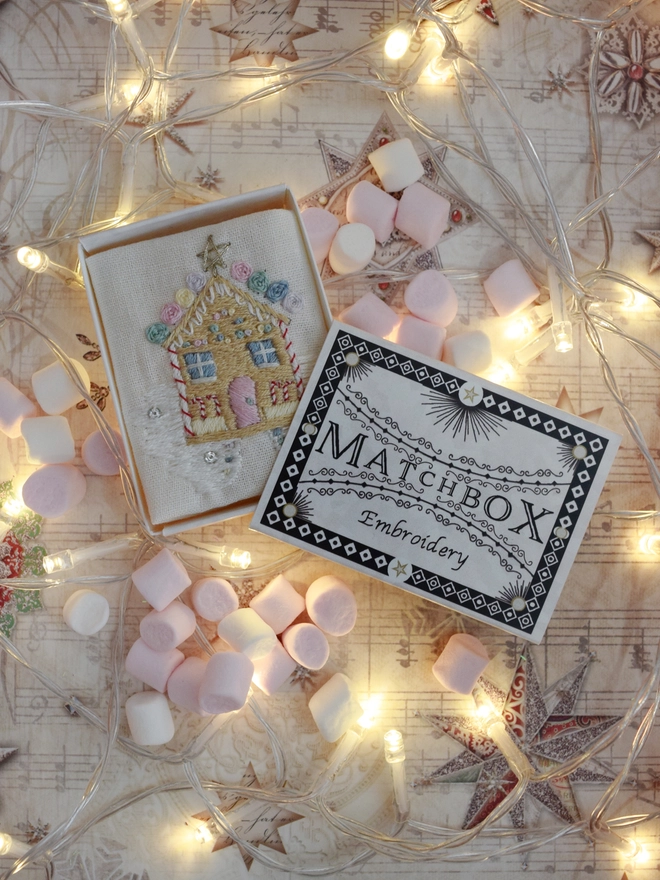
[
  {"x": 470, "y": 394},
  {"x": 264, "y": 29},
  {"x": 653, "y": 237},
  {"x": 212, "y": 256},
  {"x": 400, "y": 568}
]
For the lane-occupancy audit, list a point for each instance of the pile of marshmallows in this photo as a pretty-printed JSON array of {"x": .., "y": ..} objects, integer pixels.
[
  {"x": 422, "y": 214},
  {"x": 221, "y": 684},
  {"x": 57, "y": 485}
]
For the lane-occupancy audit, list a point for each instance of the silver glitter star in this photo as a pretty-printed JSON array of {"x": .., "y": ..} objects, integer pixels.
[
  {"x": 559, "y": 82},
  {"x": 209, "y": 179},
  {"x": 146, "y": 119}
]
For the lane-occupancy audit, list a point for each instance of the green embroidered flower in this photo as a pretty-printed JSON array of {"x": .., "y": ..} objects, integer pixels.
[
  {"x": 267, "y": 328},
  {"x": 277, "y": 291},
  {"x": 239, "y": 334},
  {"x": 157, "y": 333},
  {"x": 213, "y": 328},
  {"x": 258, "y": 282}
]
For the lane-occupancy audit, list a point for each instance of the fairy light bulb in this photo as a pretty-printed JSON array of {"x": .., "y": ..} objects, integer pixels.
[
  {"x": 65, "y": 560},
  {"x": 235, "y": 558},
  {"x": 119, "y": 9},
  {"x": 562, "y": 329},
  {"x": 398, "y": 42},
  {"x": 501, "y": 372},
  {"x": 496, "y": 729},
  {"x": 32, "y": 259},
  {"x": 439, "y": 70},
  {"x": 14, "y": 506},
  {"x": 371, "y": 707},
  {"x": 203, "y": 833},
  {"x": 11, "y": 847},
  {"x": 650, "y": 544},
  {"x": 395, "y": 755}
]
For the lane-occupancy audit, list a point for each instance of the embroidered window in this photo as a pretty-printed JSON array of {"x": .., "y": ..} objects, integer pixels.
[
  {"x": 200, "y": 366},
  {"x": 263, "y": 353}
]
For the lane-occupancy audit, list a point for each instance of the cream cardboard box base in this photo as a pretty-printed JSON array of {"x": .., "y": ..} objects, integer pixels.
[{"x": 210, "y": 321}]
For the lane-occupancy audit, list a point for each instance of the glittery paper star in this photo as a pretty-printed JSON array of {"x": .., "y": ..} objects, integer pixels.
[
  {"x": 264, "y": 29},
  {"x": 545, "y": 727},
  {"x": 146, "y": 118},
  {"x": 212, "y": 256},
  {"x": 255, "y": 821},
  {"x": 559, "y": 82},
  {"x": 485, "y": 8},
  {"x": 653, "y": 237},
  {"x": 209, "y": 179},
  {"x": 398, "y": 253}
]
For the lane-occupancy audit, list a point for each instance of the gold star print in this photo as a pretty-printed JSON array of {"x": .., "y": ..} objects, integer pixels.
[
  {"x": 264, "y": 29},
  {"x": 212, "y": 256},
  {"x": 400, "y": 568},
  {"x": 653, "y": 237},
  {"x": 470, "y": 394}
]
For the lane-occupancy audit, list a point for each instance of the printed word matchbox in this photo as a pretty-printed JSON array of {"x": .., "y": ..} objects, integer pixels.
[
  {"x": 210, "y": 321},
  {"x": 438, "y": 482}
]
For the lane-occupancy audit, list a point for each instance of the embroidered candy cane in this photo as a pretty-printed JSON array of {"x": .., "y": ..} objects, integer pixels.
[
  {"x": 181, "y": 387},
  {"x": 274, "y": 385},
  {"x": 292, "y": 356},
  {"x": 214, "y": 398},
  {"x": 285, "y": 391},
  {"x": 202, "y": 406}
]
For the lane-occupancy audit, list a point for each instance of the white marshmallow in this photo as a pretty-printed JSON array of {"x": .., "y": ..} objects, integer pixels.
[
  {"x": 161, "y": 579},
  {"x": 271, "y": 671},
  {"x": 397, "y": 165},
  {"x": 152, "y": 667},
  {"x": 278, "y": 604},
  {"x": 510, "y": 289},
  {"x": 213, "y": 598},
  {"x": 226, "y": 682},
  {"x": 352, "y": 248},
  {"x": 245, "y": 631},
  {"x": 307, "y": 645},
  {"x": 167, "y": 629},
  {"x": 54, "y": 390},
  {"x": 461, "y": 663},
  {"x": 149, "y": 719},
  {"x": 86, "y": 612},
  {"x": 184, "y": 683},
  {"x": 14, "y": 407},
  {"x": 469, "y": 351},
  {"x": 371, "y": 314},
  {"x": 331, "y": 605},
  {"x": 334, "y": 707},
  {"x": 48, "y": 439}
]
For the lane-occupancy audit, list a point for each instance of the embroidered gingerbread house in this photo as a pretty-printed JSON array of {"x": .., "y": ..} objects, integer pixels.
[{"x": 233, "y": 363}]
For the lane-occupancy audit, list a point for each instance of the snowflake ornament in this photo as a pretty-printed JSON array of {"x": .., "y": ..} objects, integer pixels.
[{"x": 629, "y": 71}]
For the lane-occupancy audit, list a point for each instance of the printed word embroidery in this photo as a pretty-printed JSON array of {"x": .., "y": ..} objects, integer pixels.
[{"x": 230, "y": 351}]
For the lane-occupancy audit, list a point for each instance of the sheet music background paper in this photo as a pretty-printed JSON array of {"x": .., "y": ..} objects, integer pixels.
[{"x": 609, "y": 605}]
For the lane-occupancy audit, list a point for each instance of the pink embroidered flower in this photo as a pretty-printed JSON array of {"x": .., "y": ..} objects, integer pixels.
[
  {"x": 171, "y": 313},
  {"x": 197, "y": 343},
  {"x": 240, "y": 271}
]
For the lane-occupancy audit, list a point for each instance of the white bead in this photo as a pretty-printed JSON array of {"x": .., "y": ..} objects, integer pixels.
[
  {"x": 245, "y": 631},
  {"x": 86, "y": 612},
  {"x": 397, "y": 164},
  {"x": 469, "y": 351},
  {"x": 54, "y": 390},
  {"x": 461, "y": 663},
  {"x": 352, "y": 248},
  {"x": 48, "y": 439},
  {"x": 149, "y": 719},
  {"x": 334, "y": 707}
]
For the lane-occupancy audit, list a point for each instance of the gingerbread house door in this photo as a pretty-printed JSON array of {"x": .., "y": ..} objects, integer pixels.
[{"x": 243, "y": 401}]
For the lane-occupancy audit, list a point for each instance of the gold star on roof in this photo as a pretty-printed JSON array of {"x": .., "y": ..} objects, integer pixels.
[
  {"x": 264, "y": 29},
  {"x": 212, "y": 256},
  {"x": 653, "y": 237}
]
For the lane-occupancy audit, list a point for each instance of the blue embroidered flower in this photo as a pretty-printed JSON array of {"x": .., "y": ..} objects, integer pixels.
[
  {"x": 238, "y": 320},
  {"x": 196, "y": 281},
  {"x": 258, "y": 282},
  {"x": 277, "y": 291},
  {"x": 220, "y": 337},
  {"x": 213, "y": 328},
  {"x": 239, "y": 334},
  {"x": 157, "y": 332}
]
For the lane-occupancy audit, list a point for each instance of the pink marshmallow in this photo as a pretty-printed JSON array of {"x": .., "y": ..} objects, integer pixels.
[
  {"x": 278, "y": 604},
  {"x": 245, "y": 631},
  {"x": 14, "y": 407},
  {"x": 166, "y": 629},
  {"x": 372, "y": 206},
  {"x": 271, "y": 671},
  {"x": 469, "y": 351},
  {"x": 510, "y": 289},
  {"x": 420, "y": 336},
  {"x": 461, "y": 663},
  {"x": 431, "y": 297},
  {"x": 321, "y": 227},
  {"x": 213, "y": 598},
  {"x": 331, "y": 605},
  {"x": 226, "y": 683},
  {"x": 307, "y": 645},
  {"x": 54, "y": 490},
  {"x": 422, "y": 215},
  {"x": 184, "y": 683},
  {"x": 161, "y": 579},
  {"x": 152, "y": 667},
  {"x": 371, "y": 314},
  {"x": 97, "y": 456}
]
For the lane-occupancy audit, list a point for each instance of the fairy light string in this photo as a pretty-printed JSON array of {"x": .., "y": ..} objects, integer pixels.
[{"x": 582, "y": 296}]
